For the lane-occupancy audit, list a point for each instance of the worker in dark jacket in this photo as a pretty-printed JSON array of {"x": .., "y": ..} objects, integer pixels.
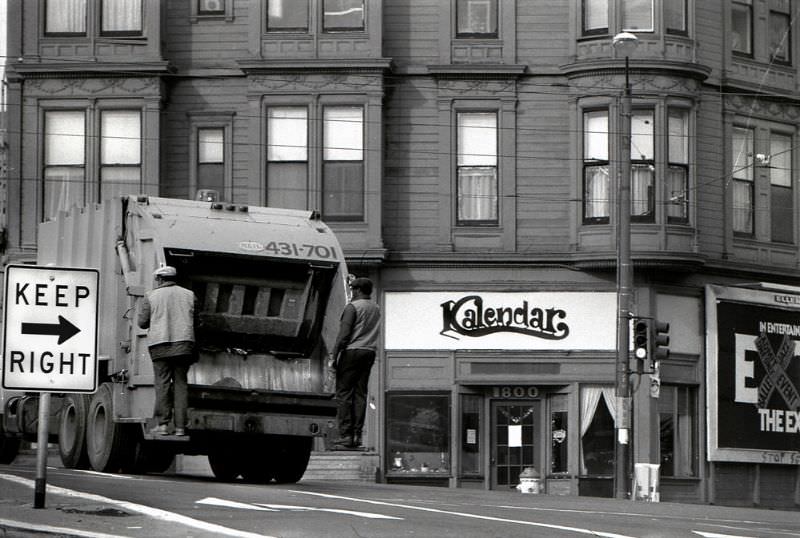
[
  {"x": 354, "y": 355},
  {"x": 170, "y": 313}
]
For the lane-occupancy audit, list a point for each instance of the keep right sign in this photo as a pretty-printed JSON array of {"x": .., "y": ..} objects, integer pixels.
[{"x": 50, "y": 329}]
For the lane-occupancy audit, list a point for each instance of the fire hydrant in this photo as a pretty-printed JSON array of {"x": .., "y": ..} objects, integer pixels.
[{"x": 530, "y": 481}]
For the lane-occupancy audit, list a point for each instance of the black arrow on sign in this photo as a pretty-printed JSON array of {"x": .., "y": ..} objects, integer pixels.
[{"x": 64, "y": 329}]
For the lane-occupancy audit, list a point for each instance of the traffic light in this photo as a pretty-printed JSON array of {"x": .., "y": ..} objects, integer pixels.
[
  {"x": 660, "y": 349},
  {"x": 641, "y": 342}
]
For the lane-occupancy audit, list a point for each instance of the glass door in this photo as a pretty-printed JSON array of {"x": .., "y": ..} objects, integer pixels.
[{"x": 514, "y": 440}]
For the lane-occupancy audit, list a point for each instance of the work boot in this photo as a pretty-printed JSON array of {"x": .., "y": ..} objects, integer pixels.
[
  {"x": 343, "y": 443},
  {"x": 180, "y": 432},
  {"x": 161, "y": 429}
]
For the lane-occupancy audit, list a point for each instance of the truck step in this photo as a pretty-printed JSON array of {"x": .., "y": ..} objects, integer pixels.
[{"x": 357, "y": 465}]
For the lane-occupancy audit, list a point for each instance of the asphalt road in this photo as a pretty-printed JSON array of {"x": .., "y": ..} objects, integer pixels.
[{"x": 89, "y": 504}]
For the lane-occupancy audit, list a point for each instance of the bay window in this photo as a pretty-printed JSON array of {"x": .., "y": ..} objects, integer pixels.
[
  {"x": 678, "y": 166},
  {"x": 637, "y": 16},
  {"x": 64, "y": 161},
  {"x": 675, "y": 17},
  {"x": 604, "y": 17},
  {"x": 743, "y": 180},
  {"x": 477, "y": 182},
  {"x": 343, "y": 163},
  {"x": 596, "y": 179},
  {"x": 781, "y": 187},
  {"x": 742, "y": 27},
  {"x": 595, "y": 17},
  {"x": 780, "y": 37},
  {"x": 287, "y": 156},
  {"x": 642, "y": 167}
]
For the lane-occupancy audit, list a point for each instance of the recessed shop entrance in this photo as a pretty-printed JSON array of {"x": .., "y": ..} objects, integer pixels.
[{"x": 515, "y": 431}]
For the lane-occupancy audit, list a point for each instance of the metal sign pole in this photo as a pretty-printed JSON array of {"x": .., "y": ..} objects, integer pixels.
[{"x": 41, "y": 450}]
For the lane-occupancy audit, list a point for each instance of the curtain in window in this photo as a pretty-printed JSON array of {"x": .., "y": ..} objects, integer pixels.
[
  {"x": 590, "y": 398},
  {"x": 743, "y": 206},
  {"x": 597, "y": 192},
  {"x": 477, "y": 166},
  {"x": 642, "y": 190},
  {"x": 120, "y": 153},
  {"x": 122, "y": 16},
  {"x": 741, "y": 17},
  {"x": 781, "y": 188},
  {"x": 477, "y": 16},
  {"x": 64, "y": 160},
  {"x": 779, "y": 36},
  {"x": 477, "y": 194},
  {"x": 65, "y": 17},
  {"x": 343, "y": 169}
]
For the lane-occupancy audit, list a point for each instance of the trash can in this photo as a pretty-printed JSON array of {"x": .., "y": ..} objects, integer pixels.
[
  {"x": 530, "y": 481},
  {"x": 645, "y": 482}
]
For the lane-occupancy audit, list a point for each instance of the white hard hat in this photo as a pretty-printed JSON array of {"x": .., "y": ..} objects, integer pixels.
[{"x": 165, "y": 271}]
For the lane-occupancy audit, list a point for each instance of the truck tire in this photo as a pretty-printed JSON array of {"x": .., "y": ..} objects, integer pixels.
[
  {"x": 72, "y": 431},
  {"x": 290, "y": 457},
  {"x": 226, "y": 463},
  {"x": 108, "y": 443}
]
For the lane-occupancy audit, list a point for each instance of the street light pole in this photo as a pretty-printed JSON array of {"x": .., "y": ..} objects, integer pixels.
[{"x": 624, "y": 43}]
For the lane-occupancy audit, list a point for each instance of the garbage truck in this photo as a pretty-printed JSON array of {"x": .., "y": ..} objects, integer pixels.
[{"x": 271, "y": 284}]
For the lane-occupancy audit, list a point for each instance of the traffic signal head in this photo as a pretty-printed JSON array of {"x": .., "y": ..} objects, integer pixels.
[
  {"x": 660, "y": 340},
  {"x": 641, "y": 339}
]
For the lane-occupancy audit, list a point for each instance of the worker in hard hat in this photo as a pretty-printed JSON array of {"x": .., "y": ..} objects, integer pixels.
[{"x": 170, "y": 313}]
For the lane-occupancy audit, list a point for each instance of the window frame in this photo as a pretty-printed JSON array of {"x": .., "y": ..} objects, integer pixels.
[
  {"x": 325, "y": 163},
  {"x": 684, "y": 199},
  {"x": 589, "y": 162},
  {"x": 290, "y": 29},
  {"x": 746, "y": 8},
  {"x": 778, "y": 220},
  {"x": 269, "y": 160},
  {"x": 670, "y": 30},
  {"x": 445, "y": 447},
  {"x": 102, "y": 32},
  {"x": 85, "y": 19},
  {"x": 787, "y": 47},
  {"x": 325, "y": 29},
  {"x": 202, "y": 12},
  {"x": 493, "y": 11},
  {"x": 45, "y": 198},
  {"x": 490, "y": 222},
  {"x": 679, "y": 446},
  {"x": 103, "y": 166},
  {"x": 649, "y": 165},
  {"x": 739, "y": 179}
]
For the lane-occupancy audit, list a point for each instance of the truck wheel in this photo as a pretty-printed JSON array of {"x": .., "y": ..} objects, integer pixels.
[
  {"x": 9, "y": 448},
  {"x": 225, "y": 464},
  {"x": 107, "y": 442},
  {"x": 72, "y": 431},
  {"x": 290, "y": 457}
]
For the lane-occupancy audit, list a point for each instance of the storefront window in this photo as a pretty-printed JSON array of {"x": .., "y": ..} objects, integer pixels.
[
  {"x": 558, "y": 434},
  {"x": 597, "y": 430},
  {"x": 418, "y": 428},
  {"x": 678, "y": 433},
  {"x": 471, "y": 434}
]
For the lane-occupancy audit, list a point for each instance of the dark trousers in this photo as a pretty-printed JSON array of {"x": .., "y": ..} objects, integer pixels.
[
  {"x": 352, "y": 376},
  {"x": 172, "y": 388}
]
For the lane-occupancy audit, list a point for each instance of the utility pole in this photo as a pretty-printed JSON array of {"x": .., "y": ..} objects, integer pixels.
[{"x": 624, "y": 43}]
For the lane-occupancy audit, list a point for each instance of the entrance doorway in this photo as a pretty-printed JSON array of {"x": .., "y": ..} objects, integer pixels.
[{"x": 515, "y": 430}]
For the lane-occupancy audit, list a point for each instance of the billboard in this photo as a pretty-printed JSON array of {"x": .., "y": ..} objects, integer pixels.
[{"x": 753, "y": 375}]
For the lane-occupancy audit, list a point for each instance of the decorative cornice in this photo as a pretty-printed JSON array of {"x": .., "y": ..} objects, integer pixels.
[
  {"x": 88, "y": 69},
  {"x": 653, "y": 67},
  {"x": 315, "y": 65},
  {"x": 473, "y": 71}
]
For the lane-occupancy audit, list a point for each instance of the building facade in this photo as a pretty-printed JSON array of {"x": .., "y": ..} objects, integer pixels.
[{"x": 467, "y": 154}]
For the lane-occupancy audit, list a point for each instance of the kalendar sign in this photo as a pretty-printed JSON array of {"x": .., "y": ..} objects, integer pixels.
[
  {"x": 50, "y": 329},
  {"x": 753, "y": 344}
]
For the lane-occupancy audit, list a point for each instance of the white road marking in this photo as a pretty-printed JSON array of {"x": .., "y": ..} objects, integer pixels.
[
  {"x": 214, "y": 501},
  {"x": 155, "y": 513},
  {"x": 10, "y": 524},
  {"x": 577, "y": 530},
  {"x": 368, "y": 515},
  {"x": 717, "y": 535}
]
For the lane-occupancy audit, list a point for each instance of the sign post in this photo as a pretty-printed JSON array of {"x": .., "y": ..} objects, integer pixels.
[{"x": 49, "y": 340}]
